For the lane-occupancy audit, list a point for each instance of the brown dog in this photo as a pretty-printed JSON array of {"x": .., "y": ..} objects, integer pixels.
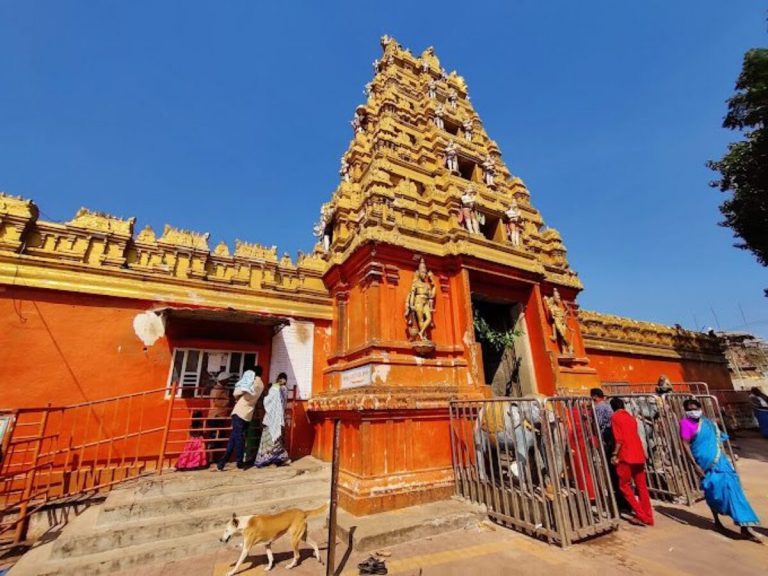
[{"x": 266, "y": 529}]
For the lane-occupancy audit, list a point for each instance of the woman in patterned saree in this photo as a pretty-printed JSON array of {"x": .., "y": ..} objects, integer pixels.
[{"x": 271, "y": 449}]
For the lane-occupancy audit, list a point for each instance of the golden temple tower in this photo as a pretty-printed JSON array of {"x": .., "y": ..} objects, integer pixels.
[{"x": 426, "y": 225}]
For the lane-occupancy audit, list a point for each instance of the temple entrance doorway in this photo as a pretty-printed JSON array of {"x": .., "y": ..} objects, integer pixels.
[{"x": 501, "y": 331}]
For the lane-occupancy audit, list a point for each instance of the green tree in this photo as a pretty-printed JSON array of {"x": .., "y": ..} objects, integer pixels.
[{"x": 744, "y": 168}]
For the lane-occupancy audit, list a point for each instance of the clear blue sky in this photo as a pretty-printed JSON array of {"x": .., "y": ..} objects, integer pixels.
[{"x": 230, "y": 117}]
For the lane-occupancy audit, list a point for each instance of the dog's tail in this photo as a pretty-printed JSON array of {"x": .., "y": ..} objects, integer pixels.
[{"x": 319, "y": 510}]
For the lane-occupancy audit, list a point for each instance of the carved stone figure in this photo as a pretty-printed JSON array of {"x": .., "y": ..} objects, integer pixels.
[
  {"x": 453, "y": 98},
  {"x": 424, "y": 65},
  {"x": 439, "y": 113},
  {"x": 443, "y": 73},
  {"x": 469, "y": 216},
  {"x": 452, "y": 157},
  {"x": 467, "y": 125},
  {"x": 357, "y": 123},
  {"x": 432, "y": 89},
  {"x": 513, "y": 217},
  {"x": 344, "y": 170},
  {"x": 558, "y": 316},
  {"x": 323, "y": 229},
  {"x": 375, "y": 65},
  {"x": 489, "y": 171},
  {"x": 368, "y": 89},
  {"x": 421, "y": 302}
]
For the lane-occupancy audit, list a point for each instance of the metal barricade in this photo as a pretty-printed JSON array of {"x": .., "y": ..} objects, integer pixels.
[
  {"x": 539, "y": 469},
  {"x": 737, "y": 409},
  {"x": 711, "y": 409},
  {"x": 666, "y": 464},
  {"x": 622, "y": 388}
]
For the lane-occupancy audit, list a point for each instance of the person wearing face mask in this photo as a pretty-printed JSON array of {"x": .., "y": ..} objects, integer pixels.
[{"x": 703, "y": 444}]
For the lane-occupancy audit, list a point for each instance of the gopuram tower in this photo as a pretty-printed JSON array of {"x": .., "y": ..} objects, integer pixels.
[{"x": 445, "y": 282}]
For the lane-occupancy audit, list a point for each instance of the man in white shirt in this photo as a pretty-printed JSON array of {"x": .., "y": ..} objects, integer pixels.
[{"x": 247, "y": 393}]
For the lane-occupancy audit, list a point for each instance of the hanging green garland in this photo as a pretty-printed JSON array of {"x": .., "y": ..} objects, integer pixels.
[{"x": 496, "y": 338}]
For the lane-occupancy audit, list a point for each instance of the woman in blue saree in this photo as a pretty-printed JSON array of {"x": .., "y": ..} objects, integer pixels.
[{"x": 703, "y": 443}]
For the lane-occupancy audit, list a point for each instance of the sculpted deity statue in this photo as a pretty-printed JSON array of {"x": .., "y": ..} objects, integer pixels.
[
  {"x": 421, "y": 302},
  {"x": 489, "y": 171},
  {"x": 323, "y": 229},
  {"x": 513, "y": 217},
  {"x": 467, "y": 125},
  {"x": 469, "y": 216},
  {"x": 357, "y": 123},
  {"x": 453, "y": 98},
  {"x": 424, "y": 65},
  {"x": 452, "y": 157},
  {"x": 439, "y": 113},
  {"x": 443, "y": 73},
  {"x": 344, "y": 170},
  {"x": 432, "y": 89},
  {"x": 368, "y": 89},
  {"x": 558, "y": 315},
  {"x": 375, "y": 65}
]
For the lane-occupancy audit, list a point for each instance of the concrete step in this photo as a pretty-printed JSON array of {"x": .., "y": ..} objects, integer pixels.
[
  {"x": 136, "y": 506},
  {"x": 171, "y": 482},
  {"x": 174, "y": 516},
  {"x": 36, "y": 563},
  {"x": 95, "y": 540},
  {"x": 390, "y": 528}
]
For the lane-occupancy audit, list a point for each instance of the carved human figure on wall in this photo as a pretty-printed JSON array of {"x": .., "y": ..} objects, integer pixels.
[
  {"x": 344, "y": 170},
  {"x": 443, "y": 73},
  {"x": 489, "y": 171},
  {"x": 513, "y": 217},
  {"x": 469, "y": 216},
  {"x": 420, "y": 303},
  {"x": 452, "y": 157},
  {"x": 432, "y": 89},
  {"x": 558, "y": 315},
  {"x": 324, "y": 229},
  {"x": 439, "y": 114},
  {"x": 453, "y": 98},
  {"x": 467, "y": 126},
  {"x": 368, "y": 89},
  {"x": 375, "y": 65},
  {"x": 357, "y": 123},
  {"x": 424, "y": 65}
]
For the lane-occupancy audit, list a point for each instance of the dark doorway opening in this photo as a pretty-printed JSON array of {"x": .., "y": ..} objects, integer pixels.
[
  {"x": 466, "y": 168},
  {"x": 502, "y": 365}
]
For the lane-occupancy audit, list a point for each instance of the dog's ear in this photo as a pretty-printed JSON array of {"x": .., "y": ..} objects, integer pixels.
[{"x": 234, "y": 519}]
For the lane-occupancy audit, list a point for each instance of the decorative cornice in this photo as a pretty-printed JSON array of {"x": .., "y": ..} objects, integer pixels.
[
  {"x": 610, "y": 333},
  {"x": 95, "y": 222},
  {"x": 96, "y": 253}
]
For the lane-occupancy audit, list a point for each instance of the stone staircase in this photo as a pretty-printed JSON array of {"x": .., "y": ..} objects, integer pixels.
[{"x": 177, "y": 515}]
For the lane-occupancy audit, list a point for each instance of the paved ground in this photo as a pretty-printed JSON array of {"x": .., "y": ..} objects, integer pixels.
[{"x": 681, "y": 543}]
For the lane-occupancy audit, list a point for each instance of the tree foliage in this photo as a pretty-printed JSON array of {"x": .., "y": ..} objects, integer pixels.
[{"x": 744, "y": 167}]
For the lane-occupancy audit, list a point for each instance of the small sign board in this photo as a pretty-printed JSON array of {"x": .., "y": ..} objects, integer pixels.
[{"x": 357, "y": 377}]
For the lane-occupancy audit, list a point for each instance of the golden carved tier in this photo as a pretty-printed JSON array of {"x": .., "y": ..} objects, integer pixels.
[
  {"x": 16, "y": 216},
  {"x": 98, "y": 252},
  {"x": 422, "y": 172},
  {"x": 619, "y": 334}
]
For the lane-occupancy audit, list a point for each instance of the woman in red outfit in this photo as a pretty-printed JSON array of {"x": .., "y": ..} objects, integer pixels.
[{"x": 629, "y": 459}]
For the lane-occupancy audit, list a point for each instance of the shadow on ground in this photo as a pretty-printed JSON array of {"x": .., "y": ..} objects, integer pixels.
[{"x": 705, "y": 523}]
